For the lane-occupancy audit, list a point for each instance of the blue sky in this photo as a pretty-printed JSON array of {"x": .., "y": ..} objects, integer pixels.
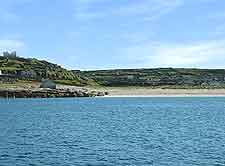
[{"x": 104, "y": 34}]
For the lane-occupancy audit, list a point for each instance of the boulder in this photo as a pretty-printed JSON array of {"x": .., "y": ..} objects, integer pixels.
[{"x": 48, "y": 84}]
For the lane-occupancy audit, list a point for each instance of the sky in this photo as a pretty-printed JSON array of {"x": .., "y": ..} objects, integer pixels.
[{"x": 107, "y": 34}]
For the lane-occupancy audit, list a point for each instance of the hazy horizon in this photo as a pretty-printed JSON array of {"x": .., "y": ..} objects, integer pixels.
[{"x": 106, "y": 34}]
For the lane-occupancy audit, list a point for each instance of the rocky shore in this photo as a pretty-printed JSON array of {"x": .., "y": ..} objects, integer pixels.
[{"x": 48, "y": 93}]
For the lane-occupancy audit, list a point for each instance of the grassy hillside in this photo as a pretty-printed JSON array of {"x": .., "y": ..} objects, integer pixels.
[
  {"x": 33, "y": 69},
  {"x": 161, "y": 77}
]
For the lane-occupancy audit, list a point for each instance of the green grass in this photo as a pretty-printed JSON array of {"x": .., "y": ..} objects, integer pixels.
[
  {"x": 69, "y": 82},
  {"x": 167, "y": 78},
  {"x": 41, "y": 69}
]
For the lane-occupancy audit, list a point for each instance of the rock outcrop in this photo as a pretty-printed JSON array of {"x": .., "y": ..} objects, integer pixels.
[{"x": 48, "y": 93}]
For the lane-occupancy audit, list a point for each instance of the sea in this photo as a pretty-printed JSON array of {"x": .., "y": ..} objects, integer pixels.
[{"x": 119, "y": 131}]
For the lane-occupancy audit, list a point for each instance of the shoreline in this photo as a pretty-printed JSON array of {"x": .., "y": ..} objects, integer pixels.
[
  {"x": 158, "y": 96},
  {"x": 36, "y": 92},
  {"x": 33, "y": 91},
  {"x": 148, "y": 92}
]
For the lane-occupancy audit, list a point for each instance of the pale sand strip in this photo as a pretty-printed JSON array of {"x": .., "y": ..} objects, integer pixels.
[
  {"x": 165, "y": 95},
  {"x": 147, "y": 92}
]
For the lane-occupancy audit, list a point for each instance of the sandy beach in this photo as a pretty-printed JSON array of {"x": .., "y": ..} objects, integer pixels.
[{"x": 145, "y": 91}]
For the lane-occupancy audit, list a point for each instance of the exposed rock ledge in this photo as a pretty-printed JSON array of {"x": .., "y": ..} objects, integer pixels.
[{"x": 48, "y": 93}]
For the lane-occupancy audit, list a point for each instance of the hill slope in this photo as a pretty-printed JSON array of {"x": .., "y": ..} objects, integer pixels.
[
  {"x": 33, "y": 69},
  {"x": 161, "y": 77}
]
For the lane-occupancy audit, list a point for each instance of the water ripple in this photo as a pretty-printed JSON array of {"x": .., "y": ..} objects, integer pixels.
[{"x": 113, "y": 132}]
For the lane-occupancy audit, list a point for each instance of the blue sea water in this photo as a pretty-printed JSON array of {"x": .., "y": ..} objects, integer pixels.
[{"x": 113, "y": 132}]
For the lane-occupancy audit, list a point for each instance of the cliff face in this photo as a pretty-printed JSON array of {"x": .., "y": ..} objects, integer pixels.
[{"x": 168, "y": 77}]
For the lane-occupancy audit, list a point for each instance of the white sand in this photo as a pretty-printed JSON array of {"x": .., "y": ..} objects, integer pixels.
[{"x": 147, "y": 92}]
